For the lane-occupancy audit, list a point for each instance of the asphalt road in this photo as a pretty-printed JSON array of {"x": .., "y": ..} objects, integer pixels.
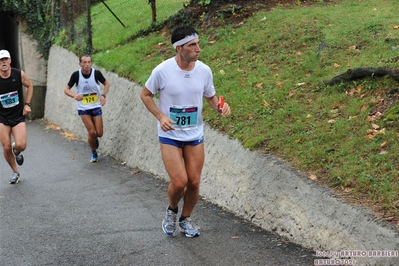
[{"x": 67, "y": 211}]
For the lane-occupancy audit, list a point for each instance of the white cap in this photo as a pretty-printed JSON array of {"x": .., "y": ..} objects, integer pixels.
[{"x": 4, "y": 54}]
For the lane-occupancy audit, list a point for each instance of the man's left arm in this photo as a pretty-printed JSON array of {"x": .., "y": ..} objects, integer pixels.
[
  {"x": 29, "y": 91},
  {"x": 105, "y": 91},
  {"x": 106, "y": 87},
  {"x": 214, "y": 103},
  {"x": 105, "y": 82}
]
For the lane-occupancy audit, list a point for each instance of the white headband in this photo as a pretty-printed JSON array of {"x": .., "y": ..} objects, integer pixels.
[{"x": 185, "y": 40}]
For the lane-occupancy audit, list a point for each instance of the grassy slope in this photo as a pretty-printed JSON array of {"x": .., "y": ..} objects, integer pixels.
[{"x": 269, "y": 70}]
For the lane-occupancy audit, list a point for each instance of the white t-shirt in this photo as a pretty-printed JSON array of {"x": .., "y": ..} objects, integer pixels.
[{"x": 181, "y": 97}]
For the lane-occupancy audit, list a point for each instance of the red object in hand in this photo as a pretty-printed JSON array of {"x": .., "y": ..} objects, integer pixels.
[{"x": 221, "y": 103}]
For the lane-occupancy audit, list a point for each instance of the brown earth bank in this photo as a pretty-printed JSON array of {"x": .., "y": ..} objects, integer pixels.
[{"x": 232, "y": 11}]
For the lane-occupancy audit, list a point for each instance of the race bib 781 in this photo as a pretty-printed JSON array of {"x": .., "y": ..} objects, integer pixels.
[{"x": 186, "y": 117}]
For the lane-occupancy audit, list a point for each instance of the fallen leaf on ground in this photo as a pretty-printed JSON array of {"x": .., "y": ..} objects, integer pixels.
[
  {"x": 259, "y": 86},
  {"x": 264, "y": 103},
  {"x": 375, "y": 126},
  {"x": 292, "y": 93}
]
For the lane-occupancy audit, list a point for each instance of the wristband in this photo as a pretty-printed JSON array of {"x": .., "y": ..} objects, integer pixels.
[
  {"x": 28, "y": 104},
  {"x": 103, "y": 95}
]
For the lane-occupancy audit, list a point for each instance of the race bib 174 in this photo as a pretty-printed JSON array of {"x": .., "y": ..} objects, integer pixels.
[{"x": 90, "y": 98}]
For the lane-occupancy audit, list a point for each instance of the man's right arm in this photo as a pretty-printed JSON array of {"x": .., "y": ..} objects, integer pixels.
[
  {"x": 147, "y": 97},
  {"x": 72, "y": 81}
]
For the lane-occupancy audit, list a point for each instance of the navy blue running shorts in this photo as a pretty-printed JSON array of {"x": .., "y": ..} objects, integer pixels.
[
  {"x": 180, "y": 144},
  {"x": 92, "y": 112}
]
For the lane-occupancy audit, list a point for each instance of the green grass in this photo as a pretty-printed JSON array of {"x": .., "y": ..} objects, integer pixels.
[
  {"x": 111, "y": 29},
  {"x": 134, "y": 14},
  {"x": 270, "y": 73}
]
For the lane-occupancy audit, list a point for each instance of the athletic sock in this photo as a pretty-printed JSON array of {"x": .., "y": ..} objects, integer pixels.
[
  {"x": 173, "y": 210},
  {"x": 182, "y": 218}
]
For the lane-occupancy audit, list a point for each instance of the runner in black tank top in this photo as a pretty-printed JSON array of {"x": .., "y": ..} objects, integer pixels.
[{"x": 14, "y": 107}]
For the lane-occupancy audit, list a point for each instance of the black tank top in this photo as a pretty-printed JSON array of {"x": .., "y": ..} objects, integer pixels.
[{"x": 11, "y": 95}]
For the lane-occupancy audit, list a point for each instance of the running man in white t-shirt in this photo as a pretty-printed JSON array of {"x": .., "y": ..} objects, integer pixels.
[{"x": 182, "y": 82}]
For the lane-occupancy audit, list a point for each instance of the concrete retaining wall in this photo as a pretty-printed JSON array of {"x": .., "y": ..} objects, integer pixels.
[
  {"x": 257, "y": 187},
  {"x": 34, "y": 66}
]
